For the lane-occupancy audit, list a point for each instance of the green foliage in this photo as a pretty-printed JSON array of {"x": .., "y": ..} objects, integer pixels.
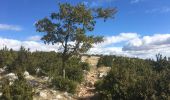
[
  {"x": 21, "y": 61},
  {"x": 69, "y": 26},
  {"x": 135, "y": 79},
  {"x": 85, "y": 66},
  {"x": 6, "y": 57},
  {"x": 105, "y": 61},
  {"x": 161, "y": 63},
  {"x": 75, "y": 74},
  {"x": 64, "y": 84},
  {"x": 48, "y": 63},
  {"x": 19, "y": 90}
]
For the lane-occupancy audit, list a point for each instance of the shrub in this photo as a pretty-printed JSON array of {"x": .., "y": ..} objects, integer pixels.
[
  {"x": 74, "y": 73},
  {"x": 105, "y": 61},
  {"x": 19, "y": 90},
  {"x": 85, "y": 66},
  {"x": 134, "y": 79},
  {"x": 64, "y": 84},
  {"x": 74, "y": 69}
]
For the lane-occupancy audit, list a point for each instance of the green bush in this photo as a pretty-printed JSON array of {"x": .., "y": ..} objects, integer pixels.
[
  {"x": 49, "y": 64},
  {"x": 134, "y": 79},
  {"x": 19, "y": 90},
  {"x": 105, "y": 61},
  {"x": 74, "y": 69},
  {"x": 85, "y": 66},
  {"x": 64, "y": 84},
  {"x": 74, "y": 73}
]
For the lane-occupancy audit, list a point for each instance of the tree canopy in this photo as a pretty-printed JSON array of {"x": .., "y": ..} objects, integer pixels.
[{"x": 69, "y": 26}]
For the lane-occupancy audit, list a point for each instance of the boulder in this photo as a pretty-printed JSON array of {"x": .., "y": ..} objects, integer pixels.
[
  {"x": 43, "y": 94},
  {"x": 45, "y": 78},
  {"x": 59, "y": 97},
  {"x": 66, "y": 94},
  {"x": 2, "y": 70},
  {"x": 103, "y": 74},
  {"x": 11, "y": 77},
  {"x": 26, "y": 74},
  {"x": 37, "y": 70}
]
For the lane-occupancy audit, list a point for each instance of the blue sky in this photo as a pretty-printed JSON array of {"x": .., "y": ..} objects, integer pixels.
[{"x": 141, "y": 17}]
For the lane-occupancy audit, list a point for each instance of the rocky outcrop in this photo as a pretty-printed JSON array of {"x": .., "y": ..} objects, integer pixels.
[
  {"x": 11, "y": 76},
  {"x": 50, "y": 94}
]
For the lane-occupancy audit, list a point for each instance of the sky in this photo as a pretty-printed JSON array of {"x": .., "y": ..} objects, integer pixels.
[{"x": 141, "y": 28}]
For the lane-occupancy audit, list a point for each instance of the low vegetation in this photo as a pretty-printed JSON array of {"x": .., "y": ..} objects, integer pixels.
[
  {"x": 18, "y": 90},
  {"x": 105, "y": 61},
  {"x": 128, "y": 79},
  {"x": 136, "y": 79},
  {"x": 44, "y": 64}
]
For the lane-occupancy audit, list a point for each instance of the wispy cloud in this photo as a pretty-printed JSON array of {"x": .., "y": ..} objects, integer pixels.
[
  {"x": 96, "y": 3},
  {"x": 106, "y": 1},
  {"x": 159, "y": 10},
  {"x": 10, "y": 27},
  {"x": 91, "y": 3},
  {"x": 135, "y": 1}
]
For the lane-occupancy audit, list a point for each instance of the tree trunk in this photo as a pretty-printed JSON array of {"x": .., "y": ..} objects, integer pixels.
[
  {"x": 64, "y": 73},
  {"x": 63, "y": 67}
]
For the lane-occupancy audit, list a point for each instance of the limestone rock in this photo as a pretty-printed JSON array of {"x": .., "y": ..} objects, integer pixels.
[
  {"x": 26, "y": 74},
  {"x": 2, "y": 70},
  {"x": 59, "y": 97},
  {"x": 103, "y": 74},
  {"x": 11, "y": 77},
  {"x": 43, "y": 94}
]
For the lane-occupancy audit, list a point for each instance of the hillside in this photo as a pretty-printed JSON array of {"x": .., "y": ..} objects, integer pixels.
[
  {"x": 37, "y": 76},
  {"x": 84, "y": 91}
]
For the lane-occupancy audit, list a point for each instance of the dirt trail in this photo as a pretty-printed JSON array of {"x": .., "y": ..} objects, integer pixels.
[{"x": 86, "y": 89}]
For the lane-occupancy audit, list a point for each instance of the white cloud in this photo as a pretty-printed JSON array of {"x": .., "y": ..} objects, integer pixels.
[
  {"x": 34, "y": 38},
  {"x": 33, "y": 45},
  {"x": 122, "y": 37},
  {"x": 10, "y": 27},
  {"x": 132, "y": 45},
  {"x": 156, "y": 41},
  {"x": 135, "y": 46}
]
